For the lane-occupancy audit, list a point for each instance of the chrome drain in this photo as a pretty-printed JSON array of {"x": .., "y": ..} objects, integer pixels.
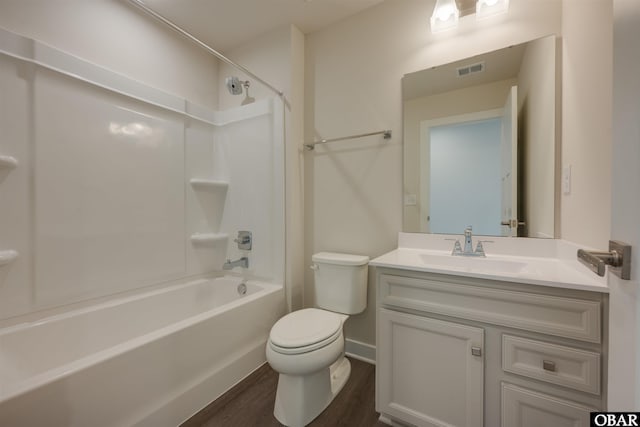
[{"x": 242, "y": 288}]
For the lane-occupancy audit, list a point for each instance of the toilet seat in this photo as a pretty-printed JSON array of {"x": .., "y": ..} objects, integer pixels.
[{"x": 305, "y": 330}]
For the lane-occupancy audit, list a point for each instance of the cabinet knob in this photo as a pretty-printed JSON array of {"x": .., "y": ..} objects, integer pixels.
[{"x": 476, "y": 351}]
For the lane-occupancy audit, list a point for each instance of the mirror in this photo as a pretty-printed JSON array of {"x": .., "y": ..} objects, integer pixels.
[{"x": 480, "y": 144}]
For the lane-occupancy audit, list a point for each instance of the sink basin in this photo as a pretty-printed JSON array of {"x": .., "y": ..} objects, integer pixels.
[{"x": 479, "y": 264}]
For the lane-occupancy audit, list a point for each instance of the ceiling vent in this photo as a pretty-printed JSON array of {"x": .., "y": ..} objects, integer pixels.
[{"x": 470, "y": 69}]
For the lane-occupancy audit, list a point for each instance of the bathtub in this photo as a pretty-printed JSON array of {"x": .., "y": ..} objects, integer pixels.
[{"x": 146, "y": 360}]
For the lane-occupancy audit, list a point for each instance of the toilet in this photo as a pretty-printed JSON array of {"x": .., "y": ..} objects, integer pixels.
[{"x": 306, "y": 347}]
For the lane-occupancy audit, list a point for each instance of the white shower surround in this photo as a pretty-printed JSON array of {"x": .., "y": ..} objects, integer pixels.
[{"x": 101, "y": 200}]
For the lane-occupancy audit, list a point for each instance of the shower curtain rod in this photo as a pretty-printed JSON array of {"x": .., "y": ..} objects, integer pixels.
[{"x": 203, "y": 45}]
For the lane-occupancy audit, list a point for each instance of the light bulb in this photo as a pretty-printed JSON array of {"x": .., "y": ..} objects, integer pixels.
[
  {"x": 486, "y": 8},
  {"x": 445, "y": 15},
  {"x": 445, "y": 12}
]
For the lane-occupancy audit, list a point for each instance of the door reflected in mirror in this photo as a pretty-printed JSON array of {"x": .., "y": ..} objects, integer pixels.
[
  {"x": 480, "y": 142},
  {"x": 466, "y": 156}
]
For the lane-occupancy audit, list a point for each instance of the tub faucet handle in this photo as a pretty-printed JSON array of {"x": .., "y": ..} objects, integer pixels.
[{"x": 244, "y": 240}]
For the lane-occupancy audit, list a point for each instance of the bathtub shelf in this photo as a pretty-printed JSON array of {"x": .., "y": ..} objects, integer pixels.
[
  {"x": 208, "y": 238},
  {"x": 8, "y": 162},
  {"x": 208, "y": 184},
  {"x": 7, "y": 257}
]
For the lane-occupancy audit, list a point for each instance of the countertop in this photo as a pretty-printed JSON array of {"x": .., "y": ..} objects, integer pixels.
[{"x": 543, "y": 262}]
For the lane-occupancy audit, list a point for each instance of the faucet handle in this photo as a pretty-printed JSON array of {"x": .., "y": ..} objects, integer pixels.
[
  {"x": 457, "y": 247},
  {"x": 480, "y": 248},
  {"x": 244, "y": 240}
]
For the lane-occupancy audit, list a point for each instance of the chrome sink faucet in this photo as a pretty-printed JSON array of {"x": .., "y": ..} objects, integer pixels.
[{"x": 468, "y": 245}]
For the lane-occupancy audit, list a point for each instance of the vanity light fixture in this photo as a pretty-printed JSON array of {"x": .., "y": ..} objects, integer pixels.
[
  {"x": 486, "y": 8},
  {"x": 445, "y": 15}
]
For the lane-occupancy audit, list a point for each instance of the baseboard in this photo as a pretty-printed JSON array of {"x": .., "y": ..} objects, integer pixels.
[
  {"x": 388, "y": 421},
  {"x": 361, "y": 351}
]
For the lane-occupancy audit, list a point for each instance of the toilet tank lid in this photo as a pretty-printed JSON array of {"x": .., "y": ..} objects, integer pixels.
[{"x": 339, "y": 259}]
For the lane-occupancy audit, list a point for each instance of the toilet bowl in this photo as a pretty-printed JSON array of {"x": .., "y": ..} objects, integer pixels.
[
  {"x": 306, "y": 341},
  {"x": 306, "y": 347}
]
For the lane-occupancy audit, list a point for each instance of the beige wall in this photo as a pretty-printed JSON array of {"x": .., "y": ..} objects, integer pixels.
[
  {"x": 353, "y": 71},
  {"x": 537, "y": 131},
  {"x": 278, "y": 58},
  {"x": 473, "y": 99},
  {"x": 586, "y": 120},
  {"x": 268, "y": 56},
  {"x": 118, "y": 37}
]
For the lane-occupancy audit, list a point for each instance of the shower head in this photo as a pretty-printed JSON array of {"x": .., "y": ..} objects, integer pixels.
[{"x": 234, "y": 85}]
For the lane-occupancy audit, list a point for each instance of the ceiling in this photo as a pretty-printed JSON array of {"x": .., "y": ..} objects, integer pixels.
[{"x": 225, "y": 24}]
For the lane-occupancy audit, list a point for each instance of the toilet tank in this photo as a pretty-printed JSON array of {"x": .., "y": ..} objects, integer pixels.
[{"x": 340, "y": 282}]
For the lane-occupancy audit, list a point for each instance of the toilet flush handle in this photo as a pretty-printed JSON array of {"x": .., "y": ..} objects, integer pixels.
[{"x": 314, "y": 267}]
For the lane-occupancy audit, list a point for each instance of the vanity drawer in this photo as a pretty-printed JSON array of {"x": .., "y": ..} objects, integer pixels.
[
  {"x": 557, "y": 364},
  {"x": 548, "y": 314},
  {"x": 523, "y": 408}
]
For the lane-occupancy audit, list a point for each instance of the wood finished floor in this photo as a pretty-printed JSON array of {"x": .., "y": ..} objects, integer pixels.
[{"x": 250, "y": 403}]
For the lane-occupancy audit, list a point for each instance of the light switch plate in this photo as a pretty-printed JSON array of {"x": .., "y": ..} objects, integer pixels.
[
  {"x": 410, "y": 200},
  {"x": 566, "y": 179}
]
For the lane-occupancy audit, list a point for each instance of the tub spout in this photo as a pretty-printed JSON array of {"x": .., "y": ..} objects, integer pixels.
[{"x": 242, "y": 262}]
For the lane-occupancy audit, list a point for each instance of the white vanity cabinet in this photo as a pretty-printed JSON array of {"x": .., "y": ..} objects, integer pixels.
[
  {"x": 463, "y": 351},
  {"x": 446, "y": 387}
]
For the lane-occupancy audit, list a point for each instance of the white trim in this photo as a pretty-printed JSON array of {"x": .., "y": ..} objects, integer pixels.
[
  {"x": 360, "y": 351},
  {"x": 463, "y": 118},
  {"x": 386, "y": 420}
]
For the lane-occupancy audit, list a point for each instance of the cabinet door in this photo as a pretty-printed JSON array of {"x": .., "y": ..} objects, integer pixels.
[
  {"x": 528, "y": 408},
  {"x": 427, "y": 374}
]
